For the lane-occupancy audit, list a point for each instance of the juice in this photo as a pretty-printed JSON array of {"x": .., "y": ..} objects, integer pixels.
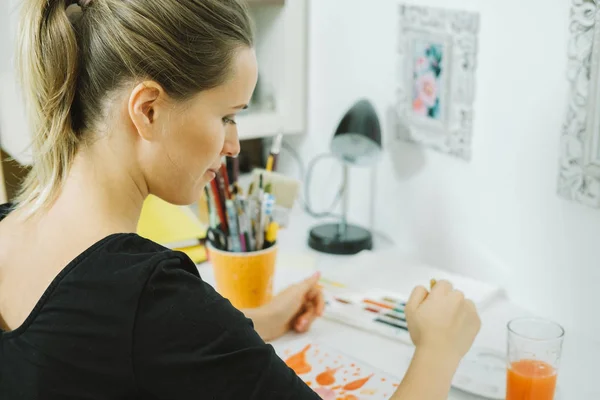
[{"x": 530, "y": 380}]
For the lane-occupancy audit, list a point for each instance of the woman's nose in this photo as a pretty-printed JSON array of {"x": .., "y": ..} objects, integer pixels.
[{"x": 231, "y": 147}]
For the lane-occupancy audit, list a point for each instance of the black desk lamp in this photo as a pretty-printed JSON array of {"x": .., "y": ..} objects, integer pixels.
[{"x": 357, "y": 141}]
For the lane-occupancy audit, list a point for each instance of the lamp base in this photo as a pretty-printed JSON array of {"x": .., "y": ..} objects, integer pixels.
[{"x": 327, "y": 239}]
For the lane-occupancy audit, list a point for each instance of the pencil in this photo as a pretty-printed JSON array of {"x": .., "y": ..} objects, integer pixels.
[
  {"x": 225, "y": 177},
  {"x": 274, "y": 153},
  {"x": 220, "y": 211},
  {"x": 270, "y": 162}
]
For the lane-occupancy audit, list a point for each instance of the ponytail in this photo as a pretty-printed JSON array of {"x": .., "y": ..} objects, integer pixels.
[{"x": 47, "y": 61}]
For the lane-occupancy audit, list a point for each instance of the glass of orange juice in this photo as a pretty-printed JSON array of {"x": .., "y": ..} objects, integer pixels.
[{"x": 534, "y": 350}]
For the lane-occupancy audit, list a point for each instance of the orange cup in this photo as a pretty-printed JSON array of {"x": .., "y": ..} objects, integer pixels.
[{"x": 245, "y": 279}]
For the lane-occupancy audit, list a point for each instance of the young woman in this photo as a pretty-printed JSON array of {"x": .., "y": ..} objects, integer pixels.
[{"x": 129, "y": 98}]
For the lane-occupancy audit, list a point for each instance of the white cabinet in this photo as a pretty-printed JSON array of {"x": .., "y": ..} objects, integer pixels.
[{"x": 281, "y": 48}]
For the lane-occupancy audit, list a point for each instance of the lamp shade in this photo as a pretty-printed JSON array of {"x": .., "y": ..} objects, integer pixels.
[{"x": 357, "y": 139}]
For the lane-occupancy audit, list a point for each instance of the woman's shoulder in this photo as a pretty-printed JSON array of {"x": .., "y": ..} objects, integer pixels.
[{"x": 130, "y": 254}]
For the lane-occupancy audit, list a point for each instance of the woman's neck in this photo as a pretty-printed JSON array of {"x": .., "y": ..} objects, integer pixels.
[{"x": 103, "y": 188}]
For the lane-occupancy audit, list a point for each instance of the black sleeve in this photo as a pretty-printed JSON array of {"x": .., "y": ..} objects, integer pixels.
[{"x": 191, "y": 343}]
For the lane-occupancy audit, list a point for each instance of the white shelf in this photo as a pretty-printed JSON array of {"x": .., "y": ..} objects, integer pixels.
[
  {"x": 259, "y": 124},
  {"x": 281, "y": 48}
]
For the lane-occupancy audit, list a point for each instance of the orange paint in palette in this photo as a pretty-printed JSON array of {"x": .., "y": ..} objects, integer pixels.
[{"x": 338, "y": 376}]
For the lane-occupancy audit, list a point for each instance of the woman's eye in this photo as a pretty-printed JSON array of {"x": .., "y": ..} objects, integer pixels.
[{"x": 228, "y": 120}]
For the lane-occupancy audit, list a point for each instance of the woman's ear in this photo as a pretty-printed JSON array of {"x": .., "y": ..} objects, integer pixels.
[{"x": 145, "y": 106}]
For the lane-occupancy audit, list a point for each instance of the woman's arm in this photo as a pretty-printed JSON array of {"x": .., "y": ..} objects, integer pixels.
[
  {"x": 428, "y": 378},
  {"x": 262, "y": 323},
  {"x": 189, "y": 342},
  {"x": 443, "y": 326}
]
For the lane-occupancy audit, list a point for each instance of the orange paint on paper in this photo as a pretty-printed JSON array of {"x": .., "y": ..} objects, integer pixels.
[
  {"x": 382, "y": 379},
  {"x": 327, "y": 377},
  {"x": 308, "y": 383},
  {"x": 350, "y": 397},
  {"x": 357, "y": 384},
  {"x": 336, "y": 387},
  {"x": 298, "y": 362}
]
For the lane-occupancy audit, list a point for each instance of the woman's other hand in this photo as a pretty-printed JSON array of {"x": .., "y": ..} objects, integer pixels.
[{"x": 295, "y": 308}]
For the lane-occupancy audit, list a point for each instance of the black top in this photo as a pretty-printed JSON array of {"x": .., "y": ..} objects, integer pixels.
[{"x": 129, "y": 319}]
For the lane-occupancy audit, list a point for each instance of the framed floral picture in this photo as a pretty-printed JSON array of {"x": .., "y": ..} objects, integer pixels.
[
  {"x": 437, "y": 60},
  {"x": 429, "y": 76},
  {"x": 579, "y": 173}
]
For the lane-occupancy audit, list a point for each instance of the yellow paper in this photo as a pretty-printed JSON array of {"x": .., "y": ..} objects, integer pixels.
[
  {"x": 166, "y": 224},
  {"x": 196, "y": 253}
]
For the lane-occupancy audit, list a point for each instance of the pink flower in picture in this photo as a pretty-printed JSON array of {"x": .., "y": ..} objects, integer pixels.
[
  {"x": 419, "y": 107},
  {"x": 421, "y": 65},
  {"x": 427, "y": 89}
]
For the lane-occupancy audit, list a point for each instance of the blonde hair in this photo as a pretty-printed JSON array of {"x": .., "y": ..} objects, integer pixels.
[{"x": 69, "y": 66}]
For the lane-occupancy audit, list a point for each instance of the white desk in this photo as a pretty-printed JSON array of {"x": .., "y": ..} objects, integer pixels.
[{"x": 579, "y": 365}]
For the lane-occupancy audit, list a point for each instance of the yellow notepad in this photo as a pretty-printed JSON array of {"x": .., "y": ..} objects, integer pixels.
[
  {"x": 196, "y": 253},
  {"x": 169, "y": 225}
]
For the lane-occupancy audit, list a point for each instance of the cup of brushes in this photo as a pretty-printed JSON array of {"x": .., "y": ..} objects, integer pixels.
[{"x": 242, "y": 240}]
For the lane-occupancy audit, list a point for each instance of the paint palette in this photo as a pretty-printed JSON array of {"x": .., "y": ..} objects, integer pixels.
[
  {"x": 335, "y": 376},
  {"x": 376, "y": 311}
]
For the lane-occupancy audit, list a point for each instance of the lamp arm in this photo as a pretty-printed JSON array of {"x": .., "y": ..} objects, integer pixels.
[{"x": 344, "y": 220}]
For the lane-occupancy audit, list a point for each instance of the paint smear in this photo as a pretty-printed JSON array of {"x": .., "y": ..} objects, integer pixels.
[
  {"x": 348, "y": 397},
  {"x": 327, "y": 377},
  {"x": 325, "y": 393},
  {"x": 357, "y": 384},
  {"x": 298, "y": 362},
  {"x": 368, "y": 392}
]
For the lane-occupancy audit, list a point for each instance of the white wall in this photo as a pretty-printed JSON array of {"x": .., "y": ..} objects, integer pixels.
[
  {"x": 496, "y": 218},
  {"x": 14, "y": 136}
]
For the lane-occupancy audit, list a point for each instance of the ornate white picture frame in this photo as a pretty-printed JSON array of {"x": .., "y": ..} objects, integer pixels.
[
  {"x": 437, "y": 51},
  {"x": 579, "y": 176}
]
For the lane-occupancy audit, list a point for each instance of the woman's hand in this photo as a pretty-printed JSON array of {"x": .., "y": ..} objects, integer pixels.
[
  {"x": 443, "y": 326},
  {"x": 442, "y": 321},
  {"x": 294, "y": 308}
]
